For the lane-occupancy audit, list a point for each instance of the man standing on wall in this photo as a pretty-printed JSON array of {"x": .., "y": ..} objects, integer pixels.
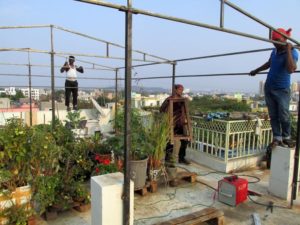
[
  {"x": 71, "y": 84},
  {"x": 282, "y": 64}
]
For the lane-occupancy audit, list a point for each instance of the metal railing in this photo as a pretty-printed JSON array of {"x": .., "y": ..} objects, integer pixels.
[{"x": 227, "y": 140}]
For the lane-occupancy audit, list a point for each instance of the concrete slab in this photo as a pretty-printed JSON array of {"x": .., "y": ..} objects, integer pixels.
[{"x": 173, "y": 202}]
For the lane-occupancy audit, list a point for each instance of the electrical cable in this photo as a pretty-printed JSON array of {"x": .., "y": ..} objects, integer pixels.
[
  {"x": 219, "y": 172},
  {"x": 171, "y": 198},
  {"x": 267, "y": 205}
]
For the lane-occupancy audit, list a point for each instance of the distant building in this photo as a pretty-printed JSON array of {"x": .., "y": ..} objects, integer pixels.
[
  {"x": 293, "y": 106},
  {"x": 139, "y": 101},
  {"x": 10, "y": 91},
  {"x": 82, "y": 95},
  {"x": 261, "y": 88},
  {"x": 294, "y": 87},
  {"x": 4, "y": 103},
  {"x": 35, "y": 93}
]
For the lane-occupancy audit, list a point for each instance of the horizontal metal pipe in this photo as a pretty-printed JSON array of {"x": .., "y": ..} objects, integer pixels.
[
  {"x": 49, "y": 86},
  {"x": 107, "y": 42},
  {"x": 21, "y": 27},
  {"x": 44, "y": 65},
  {"x": 92, "y": 63},
  {"x": 224, "y": 54},
  {"x": 69, "y": 53},
  {"x": 258, "y": 20},
  {"x": 49, "y": 76},
  {"x": 200, "y": 75},
  {"x": 180, "y": 20},
  {"x": 204, "y": 57}
]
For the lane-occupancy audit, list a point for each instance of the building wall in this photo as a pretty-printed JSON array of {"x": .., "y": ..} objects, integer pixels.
[{"x": 4, "y": 103}]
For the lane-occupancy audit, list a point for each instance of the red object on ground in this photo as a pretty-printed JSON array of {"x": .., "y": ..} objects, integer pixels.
[{"x": 232, "y": 190}]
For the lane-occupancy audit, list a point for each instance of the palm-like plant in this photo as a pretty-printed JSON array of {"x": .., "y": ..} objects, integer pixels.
[{"x": 158, "y": 136}]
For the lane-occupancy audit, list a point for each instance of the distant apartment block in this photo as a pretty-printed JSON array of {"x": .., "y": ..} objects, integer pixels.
[
  {"x": 139, "y": 101},
  {"x": 35, "y": 93},
  {"x": 261, "y": 88},
  {"x": 10, "y": 91},
  {"x": 294, "y": 87}
]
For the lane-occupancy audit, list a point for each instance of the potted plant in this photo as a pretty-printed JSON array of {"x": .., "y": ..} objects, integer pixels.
[
  {"x": 139, "y": 146},
  {"x": 158, "y": 135},
  {"x": 15, "y": 191},
  {"x": 81, "y": 197}
]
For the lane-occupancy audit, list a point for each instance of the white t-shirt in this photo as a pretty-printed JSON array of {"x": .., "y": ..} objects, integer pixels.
[{"x": 72, "y": 73}]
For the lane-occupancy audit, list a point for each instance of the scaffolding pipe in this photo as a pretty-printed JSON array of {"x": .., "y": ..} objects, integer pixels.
[
  {"x": 173, "y": 78},
  {"x": 21, "y": 27},
  {"x": 258, "y": 20},
  {"x": 44, "y": 65},
  {"x": 30, "y": 96},
  {"x": 70, "y": 53},
  {"x": 222, "y": 14},
  {"x": 107, "y": 42},
  {"x": 49, "y": 76},
  {"x": 127, "y": 116},
  {"x": 52, "y": 77},
  {"x": 180, "y": 20},
  {"x": 295, "y": 185},
  {"x": 116, "y": 99},
  {"x": 201, "y": 75}
]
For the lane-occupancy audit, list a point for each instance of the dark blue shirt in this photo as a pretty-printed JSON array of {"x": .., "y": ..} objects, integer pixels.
[{"x": 278, "y": 76}]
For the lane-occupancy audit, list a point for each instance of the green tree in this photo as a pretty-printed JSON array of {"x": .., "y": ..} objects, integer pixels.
[
  {"x": 212, "y": 104},
  {"x": 18, "y": 95}
]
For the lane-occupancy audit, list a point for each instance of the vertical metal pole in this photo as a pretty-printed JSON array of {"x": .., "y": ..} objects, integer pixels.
[
  {"x": 222, "y": 14},
  {"x": 116, "y": 100},
  {"x": 29, "y": 84},
  {"x": 296, "y": 162},
  {"x": 52, "y": 76},
  {"x": 173, "y": 77},
  {"x": 127, "y": 134}
]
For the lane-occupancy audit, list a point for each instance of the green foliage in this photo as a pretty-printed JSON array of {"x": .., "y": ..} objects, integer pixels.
[
  {"x": 18, "y": 95},
  {"x": 73, "y": 119},
  {"x": 158, "y": 136},
  {"x": 139, "y": 144},
  {"x": 210, "y": 104},
  {"x": 14, "y": 157},
  {"x": 46, "y": 190},
  {"x": 293, "y": 128},
  {"x": 17, "y": 215}
]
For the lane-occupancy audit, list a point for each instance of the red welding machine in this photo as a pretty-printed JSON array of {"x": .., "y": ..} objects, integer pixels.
[{"x": 232, "y": 190}]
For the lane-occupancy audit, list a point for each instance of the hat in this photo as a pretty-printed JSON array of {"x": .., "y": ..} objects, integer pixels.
[
  {"x": 276, "y": 35},
  {"x": 178, "y": 86},
  {"x": 71, "y": 57}
]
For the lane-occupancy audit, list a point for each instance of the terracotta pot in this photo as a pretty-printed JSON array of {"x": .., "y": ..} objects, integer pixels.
[
  {"x": 31, "y": 220},
  {"x": 83, "y": 207},
  {"x": 120, "y": 164}
]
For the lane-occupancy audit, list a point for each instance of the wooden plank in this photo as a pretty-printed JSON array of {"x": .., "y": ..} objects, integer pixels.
[{"x": 212, "y": 215}]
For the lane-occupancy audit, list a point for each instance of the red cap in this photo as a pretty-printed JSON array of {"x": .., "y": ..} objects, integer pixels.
[{"x": 276, "y": 35}]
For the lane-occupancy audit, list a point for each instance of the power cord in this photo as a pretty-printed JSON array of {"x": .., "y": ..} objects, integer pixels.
[
  {"x": 268, "y": 205},
  {"x": 171, "y": 198}
]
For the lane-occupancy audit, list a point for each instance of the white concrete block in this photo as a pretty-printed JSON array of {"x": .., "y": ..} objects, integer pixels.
[
  {"x": 281, "y": 174},
  {"x": 107, "y": 203}
]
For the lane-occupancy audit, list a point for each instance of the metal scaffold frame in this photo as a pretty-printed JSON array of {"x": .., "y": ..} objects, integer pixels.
[{"x": 129, "y": 12}]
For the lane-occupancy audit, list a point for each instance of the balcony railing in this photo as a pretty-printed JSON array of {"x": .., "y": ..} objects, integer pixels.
[{"x": 227, "y": 140}]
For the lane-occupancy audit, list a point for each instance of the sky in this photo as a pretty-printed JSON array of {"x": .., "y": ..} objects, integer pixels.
[{"x": 155, "y": 36}]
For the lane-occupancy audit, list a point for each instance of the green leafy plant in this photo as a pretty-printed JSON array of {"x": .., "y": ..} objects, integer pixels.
[
  {"x": 14, "y": 157},
  {"x": 46, "y": 189},
  {"x": 139, "y": 144},
  {"x": 158, "y": 135}
]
